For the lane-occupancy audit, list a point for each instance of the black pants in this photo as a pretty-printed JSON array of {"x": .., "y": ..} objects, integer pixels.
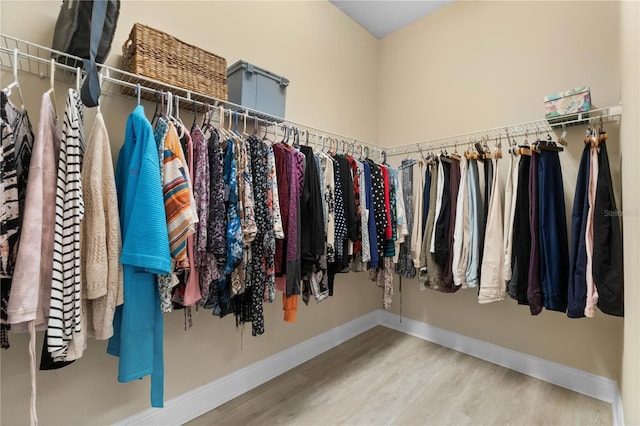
[
  {"x": 577, "y": 291},
  {"x": 607, "y": 242}
]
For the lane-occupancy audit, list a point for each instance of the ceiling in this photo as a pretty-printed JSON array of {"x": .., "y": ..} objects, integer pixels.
[{"x": 383, "y": 17}]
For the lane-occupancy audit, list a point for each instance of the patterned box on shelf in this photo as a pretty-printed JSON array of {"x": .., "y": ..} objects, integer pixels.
[
  {"x": 568, "y": 102},
  {"x": 160, "y": 56}
]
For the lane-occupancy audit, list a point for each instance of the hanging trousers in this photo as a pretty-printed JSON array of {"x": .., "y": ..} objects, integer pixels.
[
  {"x": 577, "y": 286},
  {"x": 442, "y": 223},
  {"x": 492, "y": 286},
  {"x": 552, "y": 222},
  {"x": 461, "y": 233},
  {"x": 534, "y": 290},
  {"x": 432, "y": 273},
  {"x": 475, "y": 223},
  {"x": 607, "y": 263},
  {"x": 455, "y": 186},
  {"x": 521, "y": 236},
  {"x": 510, "y": 192}
]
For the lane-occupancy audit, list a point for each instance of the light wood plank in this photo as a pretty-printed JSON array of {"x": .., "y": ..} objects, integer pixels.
[{"x": 386, "y": 377}]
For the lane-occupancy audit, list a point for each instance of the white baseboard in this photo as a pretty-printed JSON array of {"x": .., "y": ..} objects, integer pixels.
[
  {"x": 616, "y": 408},
  {"x": 192, "y": 404},
  {"x": 580, "y": 381}
]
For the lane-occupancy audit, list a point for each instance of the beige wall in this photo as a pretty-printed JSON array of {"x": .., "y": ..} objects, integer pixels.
[
  {"x": 468, "y": 66},
  {"x": 477, "y": 65},
  {"x": 630, "y": 55},
  {"x": 329, "y": 60}
]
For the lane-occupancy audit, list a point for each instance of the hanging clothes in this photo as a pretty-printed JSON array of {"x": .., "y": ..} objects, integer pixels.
[
  {"x": 31, "y": 286},
  {"x": 492, "y": 286},
  {"x": 205, "y": 261},
  {"x": 453, "y": 207},
  {"x": 553, "y": 243},
  {"x": 607, "y": 264},
  {"x": 373, "y": 232},
  {"x": 472, "y": 274},
  {"x": 9, "y": 217},
  {"x": 534, "y": 291},
  {"x": 311, "y": 215},
  {"x": 510, "y": 195},
  {"x": 100, "y": 242},
  {"x": 461, "y": 230},
  {"x": 418, "y": 204},
  {"x": 65, "y": 306},
  {"x": 521, "y": 236},
  {"x": 406, "y": 267},
  {"x": 442, "y": 222},
  {"x": 577, "y": 281},
  {"x": 138, "y": 328},
  {"x": 431, "y": 273}
]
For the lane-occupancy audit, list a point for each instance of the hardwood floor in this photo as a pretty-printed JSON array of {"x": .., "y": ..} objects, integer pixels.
[{"x": 386, "y": 377}]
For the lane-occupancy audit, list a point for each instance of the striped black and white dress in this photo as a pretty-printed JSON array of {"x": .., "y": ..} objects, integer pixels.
[{"x": 65, "y": 311}]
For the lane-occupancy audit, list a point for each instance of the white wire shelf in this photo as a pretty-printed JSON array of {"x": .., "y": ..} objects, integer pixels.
[{"x": 36, "y": 59}]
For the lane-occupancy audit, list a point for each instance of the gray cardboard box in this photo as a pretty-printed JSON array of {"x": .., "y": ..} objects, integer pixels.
[{"x": 257, "y": 88}]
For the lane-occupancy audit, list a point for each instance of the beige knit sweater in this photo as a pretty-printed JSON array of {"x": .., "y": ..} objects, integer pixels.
[{"x": 100, "y": 242}]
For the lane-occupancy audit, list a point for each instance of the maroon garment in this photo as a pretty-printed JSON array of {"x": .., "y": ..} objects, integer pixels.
[
  {"x": 283, "y": 196},
  {"x": 534, "y": 290},
  {"x": 356, "y": 192},
  {"x": 455, "y": 186}
]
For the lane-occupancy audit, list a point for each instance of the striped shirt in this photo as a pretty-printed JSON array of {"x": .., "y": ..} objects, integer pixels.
[
  {"x": 177, "y": 196},
  {"x": 64, "y": 314}
]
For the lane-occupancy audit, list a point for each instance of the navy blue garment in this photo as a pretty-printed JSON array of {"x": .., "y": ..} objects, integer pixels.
[
  {"x": 373, "y": 242},
  {"x": 521, "y": 236},
  {"x": 426, "y": 192},
  {"x": 577, "y": 292},
  {"x": 552, "y": 225},
  {"x": 607, "y": 242}
]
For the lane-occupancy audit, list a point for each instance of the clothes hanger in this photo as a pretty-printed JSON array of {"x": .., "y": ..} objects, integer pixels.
[
  {"x": 78, "y": 71},
  {"x": 15, "y": 83},
  {"x": 138, "y": 90},
  {"x": 156, "y": 113},
  {"x": 255, "y": 125},
  {"x": 52, "y": 90},
  {"x": 602, "y": 134},
  {"x": 98, "y": 110},
  {"x": 195, "y": 115}
]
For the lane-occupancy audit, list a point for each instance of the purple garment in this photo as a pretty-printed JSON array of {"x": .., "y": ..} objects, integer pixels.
[
  {"x": 534, "y": 291},
  {"x": 296, "y": 185}
]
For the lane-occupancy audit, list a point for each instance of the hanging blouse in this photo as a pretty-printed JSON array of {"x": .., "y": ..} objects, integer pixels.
[
  {"x": 340, "y": 213},
  {"x": 234, "y": 231},
  {"x": 216, "y": 228},
  {"x": 64, "y": 312},
  {"x": 364, "y": 214},
  {"x": 330, "y": 196},
  {"x": 256, "y": 271},
  {"x": 296, "y": 185},
  {"x": 204, "y": 260},
  {"x": 373, "y": 232},
  {"x": 275, "y": 206},
  {"x": 17, "y": 123},
  {"x": 379, "y": 210}
]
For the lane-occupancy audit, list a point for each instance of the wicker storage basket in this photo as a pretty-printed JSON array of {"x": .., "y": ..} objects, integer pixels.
[{"x": 159, "y": 56}]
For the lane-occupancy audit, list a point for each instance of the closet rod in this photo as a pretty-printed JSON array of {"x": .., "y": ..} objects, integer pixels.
[
  {"x": 38, "y": 60},
  {"x": 530, "y": 128}
]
